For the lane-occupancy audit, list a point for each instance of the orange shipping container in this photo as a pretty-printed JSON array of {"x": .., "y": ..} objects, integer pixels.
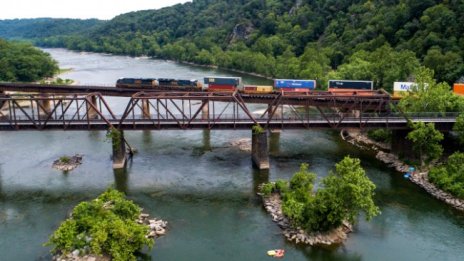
[{"x": 458, "y": 88}]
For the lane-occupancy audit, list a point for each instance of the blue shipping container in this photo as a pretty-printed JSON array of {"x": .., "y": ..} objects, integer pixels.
[
  {"x": 307, "y": 84},
  {"x": 223, "y": 80}
]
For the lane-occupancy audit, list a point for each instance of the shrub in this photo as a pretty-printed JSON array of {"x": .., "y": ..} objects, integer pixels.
[
  {"x": 450, "y": 176},
  {"x": 65, "y": 159},
  {"x": 380, "y": 135}
]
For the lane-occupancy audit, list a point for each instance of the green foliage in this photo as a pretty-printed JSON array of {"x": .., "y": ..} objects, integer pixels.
[
  {"x": 105, "y": 225},
  {"x": 114, "y": 135},
  {"x": 267, "y": 189},
  {"x": 65, "y": 159},
  {"x": 345, "y": 193},
  {"x": 459, "y": 128},
  {"x": 450, "y": 177},
  {"x": 379, "y": 40},
  {"x": 23, "y": 62},
  {"x": 426, "y": 141},
  {"x": 257, "y": 129},
  {"x": 430, "y": 96},
  {"x": 380, "y": 135}
]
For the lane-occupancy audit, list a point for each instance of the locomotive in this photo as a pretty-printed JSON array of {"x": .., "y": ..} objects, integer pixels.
[{"x": 160, "y": 83}]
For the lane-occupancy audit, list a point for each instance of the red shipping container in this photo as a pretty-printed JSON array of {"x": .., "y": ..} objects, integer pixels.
[{"x": 221, "y": 87}]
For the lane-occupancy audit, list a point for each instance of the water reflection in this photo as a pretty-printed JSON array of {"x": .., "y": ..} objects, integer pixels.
[{"x": 121, "y": 179}]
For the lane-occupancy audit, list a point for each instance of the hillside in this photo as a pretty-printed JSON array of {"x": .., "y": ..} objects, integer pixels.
[
  {"x": 44, "y": 27},
  {"x": 382, "y": 40}
]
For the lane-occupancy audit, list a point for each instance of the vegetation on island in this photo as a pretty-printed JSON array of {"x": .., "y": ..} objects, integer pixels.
[
  {"x": 342, "y": 196},
  {"x": 380, "y": 40},
  {"x": 23, "y": 62},
  {"x": 450, "y": 175},
  {"x": 103, "y": 226}
]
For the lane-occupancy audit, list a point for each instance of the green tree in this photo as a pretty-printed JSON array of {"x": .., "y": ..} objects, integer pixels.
[
  {"x": 428, "y": 95},
  {"x": 426, "y": 141},
  {"x": 450, "y": 176},
  {"x": 459, "y": 128},
  {"x": 345, "y": 194}
]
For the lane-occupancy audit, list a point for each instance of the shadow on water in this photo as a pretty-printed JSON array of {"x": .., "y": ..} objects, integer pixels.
[
  {"x": 121, "y": 179},
  {"x": 259, "y": 177}
]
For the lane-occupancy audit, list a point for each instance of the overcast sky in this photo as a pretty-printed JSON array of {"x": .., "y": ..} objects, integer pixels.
[{"x": 101, "y": 9}]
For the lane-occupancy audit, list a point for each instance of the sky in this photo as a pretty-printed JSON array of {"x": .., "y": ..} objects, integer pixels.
[{"x": 101, "y": 9}]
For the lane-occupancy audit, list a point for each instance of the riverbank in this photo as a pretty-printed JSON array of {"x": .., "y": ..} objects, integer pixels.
[
  {"x": 384, "y": 154},
  {"x": 273, "y": 205}
]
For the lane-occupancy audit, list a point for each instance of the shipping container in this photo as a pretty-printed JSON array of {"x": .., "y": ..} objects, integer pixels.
[
  {"x": 295, "y": 89},
  {"x": 400, "y": 89},
  {"x": 288, "y": 83},
  {"x": 458, "y": 88},
  {"x": 224, "y": 80},
  {"x": 257, "y": 89},
  {"x": 335, "y": 85},
  {"x": 221, "y": 87}
]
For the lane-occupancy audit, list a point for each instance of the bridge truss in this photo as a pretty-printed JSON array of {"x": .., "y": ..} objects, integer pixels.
[{"x": 199, "y": 110}]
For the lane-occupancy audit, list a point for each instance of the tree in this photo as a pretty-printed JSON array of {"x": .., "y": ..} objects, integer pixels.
[
  {"x": 450, "y": 176},
  {"x": 346, "y": 193},
  {"x": 428, "y": 95},
  {"x": 426, "y": 141},
  {"x": 459, "y": 128}
]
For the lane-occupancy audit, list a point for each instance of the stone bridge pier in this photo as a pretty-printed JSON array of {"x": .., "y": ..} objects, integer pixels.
[
  {"x": 119, "y": 149},
  {"x": 259, "y": 150}
]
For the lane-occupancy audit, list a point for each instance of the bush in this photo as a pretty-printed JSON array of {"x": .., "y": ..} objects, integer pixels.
[
  {"x": 65, "y": 159},
  {"x": 380, "y": 135},
  {"x": 450, "y": 177},
  {"x": 104, "y": 226}
]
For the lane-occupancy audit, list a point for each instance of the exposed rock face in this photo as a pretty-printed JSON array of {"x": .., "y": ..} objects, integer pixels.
[
  {"x": 241, "y": 32},
  {"x": 273, "y": 205},
  {"x": 68, "y": 164},
  {"x": 419, "y": 178}
]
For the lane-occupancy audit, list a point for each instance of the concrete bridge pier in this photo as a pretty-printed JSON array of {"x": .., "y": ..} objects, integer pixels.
[
  {"x": 119, "y": 149},
  {"x": 207, "y": 140},
  {"x": 205, "y": 111},
  {"x": 259, "y": 150},
  {"x": 91, "y": 111},
  {"x": 44, "y": 106},
  {"x": 145, "y": 109}
]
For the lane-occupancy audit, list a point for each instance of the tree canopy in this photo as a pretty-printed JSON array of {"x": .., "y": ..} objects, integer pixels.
[
  {"x": 363, "y": 39},
  {"x": 426, "y": 141},
  {"x": 343, "y": 195},
  {"x": 23, "y": 62}
]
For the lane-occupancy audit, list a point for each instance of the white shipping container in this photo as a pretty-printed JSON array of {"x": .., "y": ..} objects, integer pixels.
[{"x": 403, "y": 86}]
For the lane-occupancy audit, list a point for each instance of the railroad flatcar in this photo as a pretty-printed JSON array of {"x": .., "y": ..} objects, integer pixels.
[
  {"x": 350, "y": 86},
  {"x": 294, "y": 85},
  {"x": 458, "y": 88},
  {"x": 227, "y": 84}
]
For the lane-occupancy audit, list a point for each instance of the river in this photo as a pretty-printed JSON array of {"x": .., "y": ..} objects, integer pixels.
[{"x": 204, "y": 188}]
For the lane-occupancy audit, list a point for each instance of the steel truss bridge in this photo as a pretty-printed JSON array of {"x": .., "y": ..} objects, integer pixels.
[{"x": 56, "y": 110}]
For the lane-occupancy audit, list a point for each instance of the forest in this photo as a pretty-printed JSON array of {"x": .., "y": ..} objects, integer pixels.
[
  {"x": 379, "y": 40},
  {"x": 23, "y": 62},
  {"x": 382, "y": 40}
]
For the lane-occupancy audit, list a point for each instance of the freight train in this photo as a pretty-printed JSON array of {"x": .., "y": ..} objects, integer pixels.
[{"x": 231, "y": 84}]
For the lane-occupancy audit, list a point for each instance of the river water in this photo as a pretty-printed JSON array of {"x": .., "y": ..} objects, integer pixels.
[{"x": 204, "y": 188}]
